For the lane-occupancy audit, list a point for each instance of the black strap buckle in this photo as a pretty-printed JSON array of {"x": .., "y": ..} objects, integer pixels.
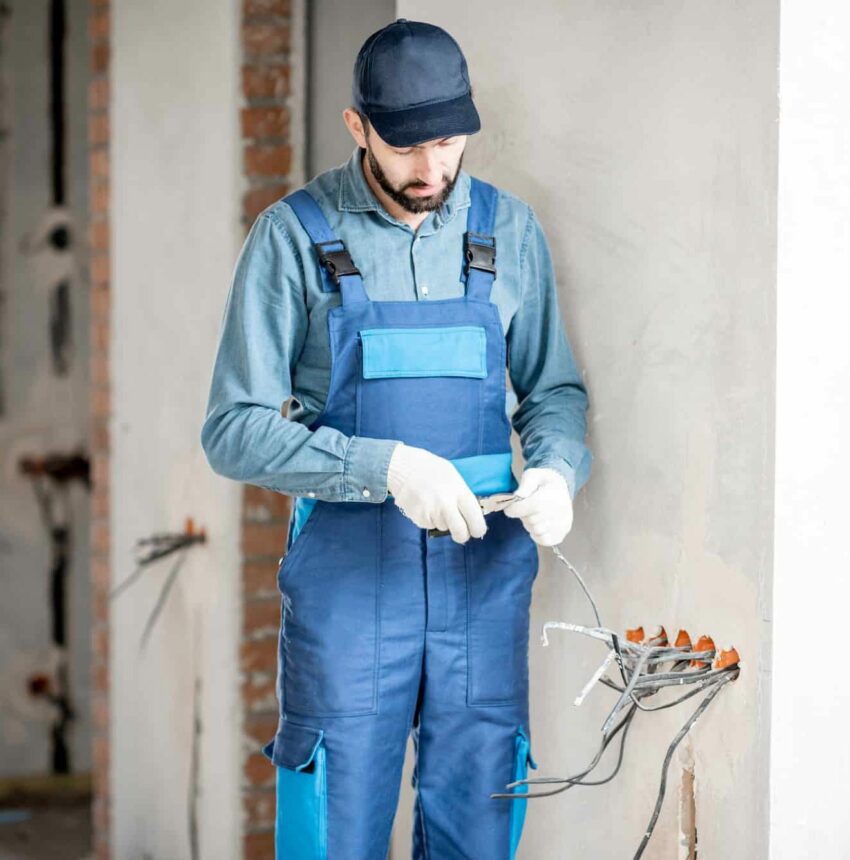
[
  {"x": 337, "y": 262},
  {"x": 479, "y": 255}
]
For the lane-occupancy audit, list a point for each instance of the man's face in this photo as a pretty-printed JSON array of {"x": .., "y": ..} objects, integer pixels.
[{"x": 419, "y": 178}]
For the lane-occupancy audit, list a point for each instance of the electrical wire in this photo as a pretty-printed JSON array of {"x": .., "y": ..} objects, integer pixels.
[
  {"x": 638, "y": 664},
  {"x": 580, "y": 581},
  {"x": 151, "y": 549},
  {"x": 667, "y": 758},
  {"x": 570, "y": 781}
]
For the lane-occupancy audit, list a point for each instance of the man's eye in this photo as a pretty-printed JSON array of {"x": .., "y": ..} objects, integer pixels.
[{"x": 450, "y": 142}]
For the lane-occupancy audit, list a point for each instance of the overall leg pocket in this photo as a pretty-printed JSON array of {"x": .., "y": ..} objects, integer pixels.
[
  {"x": 301, "y": 809},
  {"x": 330, "y": 624},
  {"x": 522, "y": 761},
  {"x": 305, "y": 517},
  {"x": 501, "y": 569}
]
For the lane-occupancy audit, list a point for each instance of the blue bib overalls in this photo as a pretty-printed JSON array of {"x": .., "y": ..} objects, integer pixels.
[{"x": 385, "y": 629}]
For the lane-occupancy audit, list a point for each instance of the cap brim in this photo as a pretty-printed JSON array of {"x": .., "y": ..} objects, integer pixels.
[{"x": 427, "y": 122}]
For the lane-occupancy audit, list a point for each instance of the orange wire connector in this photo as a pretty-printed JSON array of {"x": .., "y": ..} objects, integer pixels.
[{"x": 704, "y": 643}]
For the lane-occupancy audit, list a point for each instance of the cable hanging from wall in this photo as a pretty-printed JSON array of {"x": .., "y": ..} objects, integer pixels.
[
  {"x": 647, "y": 665},
  {"x": 149, "y": 550}
]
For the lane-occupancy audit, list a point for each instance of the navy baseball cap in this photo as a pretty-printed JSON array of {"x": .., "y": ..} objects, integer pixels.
[{"x": 411, "y": 81}]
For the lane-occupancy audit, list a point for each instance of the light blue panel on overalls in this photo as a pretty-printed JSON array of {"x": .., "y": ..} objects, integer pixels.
[
  {"x": 301, "y": 809},
  {"x": 459, "y": 350},
  {"x": 485, "y": 475},
  {"x": 387, "y": 631},
  {"x": 523, "y": 760},
  {"x": 300, "y": 511}
]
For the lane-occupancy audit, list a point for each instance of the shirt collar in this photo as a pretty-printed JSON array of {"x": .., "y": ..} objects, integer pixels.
[{"x": 355, "y": 195}]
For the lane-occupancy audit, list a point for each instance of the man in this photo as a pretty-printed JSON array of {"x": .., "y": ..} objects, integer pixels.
[{"x": 388, "y": 297}]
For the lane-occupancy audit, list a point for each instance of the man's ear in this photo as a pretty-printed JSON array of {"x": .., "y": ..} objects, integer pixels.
[{"x": 355, "y": 126}]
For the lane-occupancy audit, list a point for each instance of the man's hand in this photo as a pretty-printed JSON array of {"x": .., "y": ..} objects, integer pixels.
[
  {"x": 547, "y": 509},
  {"x": 430, "y": 491}
]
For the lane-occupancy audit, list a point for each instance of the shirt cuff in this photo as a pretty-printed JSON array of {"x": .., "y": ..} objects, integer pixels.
[
  {"x": 364, "y": 476},
  {"x": 563, "y": 468}
]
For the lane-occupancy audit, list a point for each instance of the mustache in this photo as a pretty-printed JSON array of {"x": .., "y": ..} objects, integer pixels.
[{"x": 444, "y": 180}]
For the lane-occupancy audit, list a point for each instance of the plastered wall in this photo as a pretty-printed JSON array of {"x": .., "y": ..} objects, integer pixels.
[
  {"x": 644, "y": 135},
  {"x": 175, "y": 163}
]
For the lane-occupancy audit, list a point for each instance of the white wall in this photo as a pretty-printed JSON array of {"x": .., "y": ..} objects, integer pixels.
[
  {"x": 176, "y": 234},
  {"x": 810, "y": 756},
  {"x": 645, "y": 137}
]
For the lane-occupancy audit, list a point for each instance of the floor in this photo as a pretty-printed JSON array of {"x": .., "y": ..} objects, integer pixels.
[{"x": 46, "y": 831}]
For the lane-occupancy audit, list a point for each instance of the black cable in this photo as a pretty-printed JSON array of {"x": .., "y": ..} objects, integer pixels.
[
  {"x": 702, "y": 685},
  {"x": 571, "y": 780},
  {"x": 619, "y": 757},
  {"x": 709, "y": 697},
  {"x": 705, "y": 678},
  {"x": 160, "y": 602},
  {"x": 125, "y": 582},
  {"x": 578, "y": 779}
]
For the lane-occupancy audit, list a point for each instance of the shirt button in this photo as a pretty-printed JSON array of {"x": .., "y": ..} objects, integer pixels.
[
  {"x": 366, "y": 492},
  {"x": 311, "y": 494},
  {"x": 424, "y": 291}
]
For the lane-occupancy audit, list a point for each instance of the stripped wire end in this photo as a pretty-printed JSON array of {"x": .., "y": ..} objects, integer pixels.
[{"x": 658, "y": 638}]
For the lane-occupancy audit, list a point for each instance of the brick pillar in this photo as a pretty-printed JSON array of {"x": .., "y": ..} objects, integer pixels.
[
  {"x": 100, "y": 405},
  {"x": 267, "y": 162},
  {"x": 267, "y": 154},
  {"x": 264, "y": 521}
]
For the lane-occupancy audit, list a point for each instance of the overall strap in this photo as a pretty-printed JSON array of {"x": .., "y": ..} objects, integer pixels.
[
  {"x": 479, "y": 243},
  {"x": 338, "y": 269}
]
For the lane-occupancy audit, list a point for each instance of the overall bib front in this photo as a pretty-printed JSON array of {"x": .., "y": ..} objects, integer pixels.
[{"x": 386, "y": 630}]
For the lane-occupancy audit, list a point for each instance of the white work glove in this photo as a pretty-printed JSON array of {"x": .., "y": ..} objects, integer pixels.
[
  {"x": 547, "y": 509},
  {"x": 430, "y": 491}
]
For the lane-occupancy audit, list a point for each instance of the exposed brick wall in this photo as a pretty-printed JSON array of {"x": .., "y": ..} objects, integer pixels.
[
  {"x": 100, "y": 406},
  {"x": 266, "y": 164},
  {"x": 265, "y": 115}
]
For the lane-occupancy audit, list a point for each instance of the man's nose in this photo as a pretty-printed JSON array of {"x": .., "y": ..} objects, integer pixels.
[{"x": 429, "y": 170}]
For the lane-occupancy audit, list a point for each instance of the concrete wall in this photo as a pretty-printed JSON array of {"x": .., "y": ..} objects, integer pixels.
[
  {"x": 175, "y": 164},
  {"x": 337, "y": 30},
  {"x": 645, "y": 137},
  {"x": 42, "y": 412},
  {"x": 809, "y": 754}
]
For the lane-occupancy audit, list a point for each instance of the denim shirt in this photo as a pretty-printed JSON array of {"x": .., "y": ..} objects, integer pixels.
[{"x": 273, "y": 342}]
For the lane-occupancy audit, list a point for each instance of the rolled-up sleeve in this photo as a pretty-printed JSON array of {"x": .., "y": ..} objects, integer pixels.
[
  {"x": 245, "y": 434},
  {"x": 552, "y": 401}
]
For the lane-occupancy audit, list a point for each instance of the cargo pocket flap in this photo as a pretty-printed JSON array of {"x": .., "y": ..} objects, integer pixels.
[
  {"x": 523, "y": 746},
  {"x": 294, "y": 746}
]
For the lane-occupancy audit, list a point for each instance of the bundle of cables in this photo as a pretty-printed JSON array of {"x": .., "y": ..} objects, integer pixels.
[
  {"x": 149, "y": 550},
  {"x": 646, "y": 665}
]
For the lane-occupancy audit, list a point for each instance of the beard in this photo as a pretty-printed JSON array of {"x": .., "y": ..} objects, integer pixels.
[{"x": 412, "y": 204}]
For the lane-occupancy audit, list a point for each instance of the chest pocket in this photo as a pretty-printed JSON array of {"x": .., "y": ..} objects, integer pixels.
[
  {"x": 423, "y": 385},
  {"x": 424, "y": 351}
]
